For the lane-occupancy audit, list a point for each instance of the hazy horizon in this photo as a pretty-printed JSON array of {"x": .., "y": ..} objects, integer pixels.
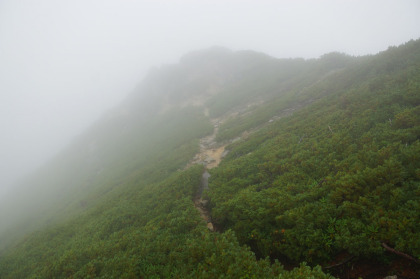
[{"x": 64, "y": 63}]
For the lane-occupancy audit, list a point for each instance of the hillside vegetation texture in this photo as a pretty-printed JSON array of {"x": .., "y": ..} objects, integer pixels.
[{"x": 320, "y": 177}]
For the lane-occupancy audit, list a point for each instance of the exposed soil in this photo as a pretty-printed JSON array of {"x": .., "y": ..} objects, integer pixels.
[
  {"x": 210, "y": 155},
  {"x": 211, "y": 152},
  {"x": 199, "y": 204},
  {"x": 216, "y": 156}
]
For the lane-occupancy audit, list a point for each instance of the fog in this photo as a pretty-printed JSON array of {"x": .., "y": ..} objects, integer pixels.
[{"x": 64, "y": 63}]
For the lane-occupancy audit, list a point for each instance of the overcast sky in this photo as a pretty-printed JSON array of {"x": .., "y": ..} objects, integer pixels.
[{"x": 63, "y": 63}]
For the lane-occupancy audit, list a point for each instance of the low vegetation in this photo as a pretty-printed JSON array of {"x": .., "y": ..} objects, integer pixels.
[{"x": 327, "y": 177}]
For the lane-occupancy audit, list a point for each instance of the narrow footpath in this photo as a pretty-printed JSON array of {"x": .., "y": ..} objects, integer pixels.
[
  {"x": 201, "y": 204},
  {"x": 210, "y": 155}
]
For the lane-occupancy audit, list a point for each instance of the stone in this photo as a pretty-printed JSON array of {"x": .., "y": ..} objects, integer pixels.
[{"x": 210, "y": 226}]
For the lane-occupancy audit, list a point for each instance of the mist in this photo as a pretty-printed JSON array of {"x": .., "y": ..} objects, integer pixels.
[{"x": 63, "y": 64}]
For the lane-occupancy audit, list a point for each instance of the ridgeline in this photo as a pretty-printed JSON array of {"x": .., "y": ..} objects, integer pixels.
[{"x": 313, "y": 170}]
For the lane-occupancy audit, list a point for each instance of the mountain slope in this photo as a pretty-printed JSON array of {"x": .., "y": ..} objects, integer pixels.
[
  {"x": 339, "y": 178},
  {"x": 322, "y": 166}
]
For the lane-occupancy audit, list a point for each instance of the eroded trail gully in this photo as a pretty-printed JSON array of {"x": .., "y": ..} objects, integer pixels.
[
  {"x": 210, "y": 156},
  {"x": 200, "y": 204}
]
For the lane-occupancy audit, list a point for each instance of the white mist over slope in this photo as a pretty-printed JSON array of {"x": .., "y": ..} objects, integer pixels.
[{"x": 63, "y": 63}]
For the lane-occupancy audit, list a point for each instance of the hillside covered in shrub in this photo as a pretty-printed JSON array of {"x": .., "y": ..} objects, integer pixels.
[{"x": 320, "y": 175}]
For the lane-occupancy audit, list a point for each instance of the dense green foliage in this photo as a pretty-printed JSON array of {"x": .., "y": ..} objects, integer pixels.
[
  {"x": 341, "y": 175},
  {"x": 140, "y": 231},
  {"x": 329, "y": 166},
  {"x": 141, "y": 222}
]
